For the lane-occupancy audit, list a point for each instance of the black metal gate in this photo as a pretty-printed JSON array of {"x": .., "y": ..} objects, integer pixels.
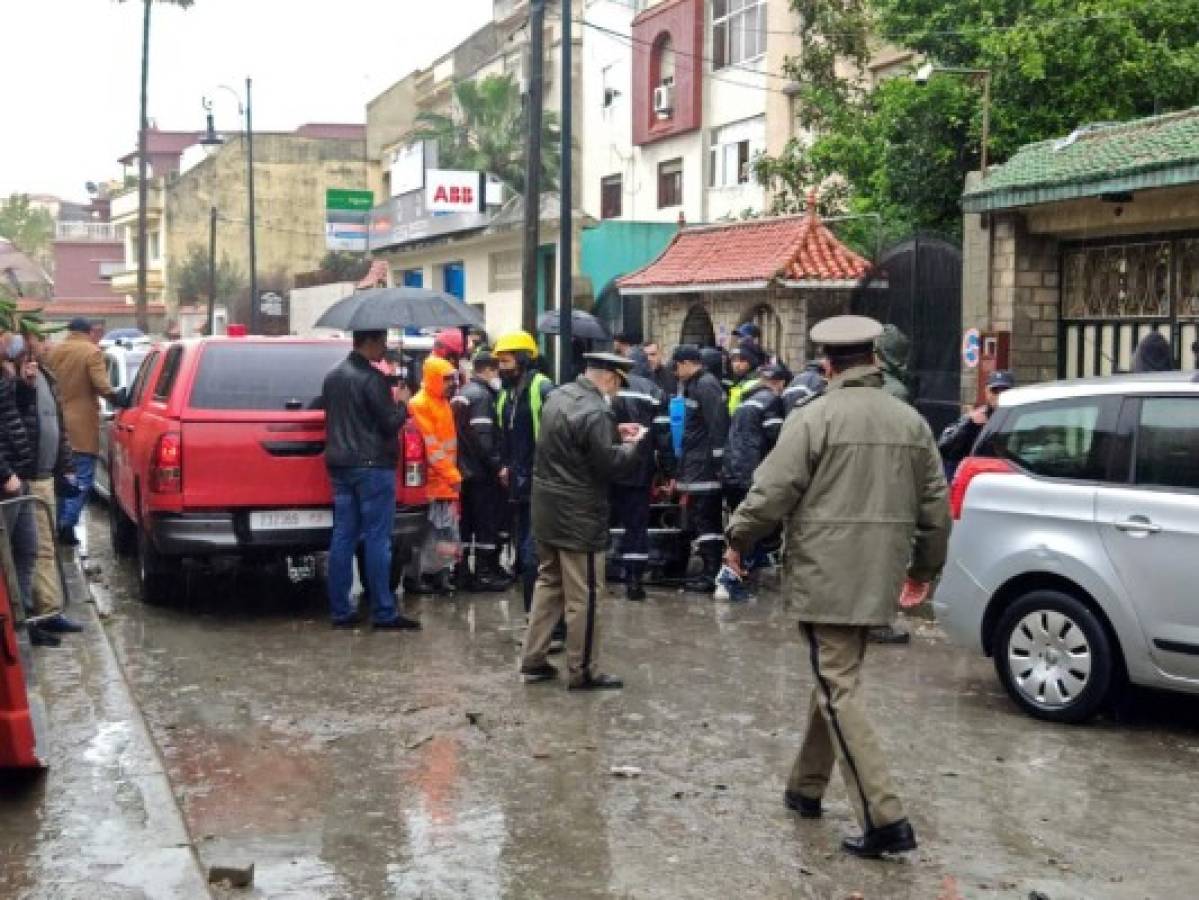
[
  {"x": 1116, "y": 292},
  {"x": 917, "y": 286}
]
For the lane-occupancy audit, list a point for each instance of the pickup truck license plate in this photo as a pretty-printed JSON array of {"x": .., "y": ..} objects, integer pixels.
[{"x": 290, "y": 519}]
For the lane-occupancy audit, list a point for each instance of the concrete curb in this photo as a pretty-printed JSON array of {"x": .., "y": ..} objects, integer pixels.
[{"x": 155, "y": 782}]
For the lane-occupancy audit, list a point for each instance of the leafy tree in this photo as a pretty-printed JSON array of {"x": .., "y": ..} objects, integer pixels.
[
  {"x": 189, "y": 278},
  {"x": 343, "y": 266},
  {"x": 486, "y": 132},
  {"x": 29, "y": 228},
  {"x": 903, "y": 149}
]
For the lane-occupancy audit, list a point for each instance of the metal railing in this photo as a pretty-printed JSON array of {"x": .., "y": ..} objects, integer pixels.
[{"x": 98, "y": 232}]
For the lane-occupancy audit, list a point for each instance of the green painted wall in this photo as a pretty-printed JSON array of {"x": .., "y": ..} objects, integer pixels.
[{"x": 614, "y": 248}]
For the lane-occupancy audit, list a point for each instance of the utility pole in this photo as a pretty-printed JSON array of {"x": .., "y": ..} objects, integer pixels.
[
  {"x": 250, "y": 179},
  {"x": 142, "y": 308},
  {"x": 565, "y": 219},
  {"x": 533, "y": 107},
  {"x": 212, "y": 271}
]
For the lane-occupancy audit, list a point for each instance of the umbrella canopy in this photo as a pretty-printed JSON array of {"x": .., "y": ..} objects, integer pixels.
[
  {"x": 377, "y": 309},
  {"x": 583, "y": 325}
]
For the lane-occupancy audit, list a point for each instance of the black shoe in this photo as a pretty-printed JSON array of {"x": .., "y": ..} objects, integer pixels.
[
  {"x": 805, "y": 806},
  {"x": 634, "y": 591},
  {"x": 41, "y": 638},
  {"x": 488, "y": 583},
  {"x": 399, "y": 623},
  {"x": 700, "y": 584},
  {"x": 543, "y": 672},
  {"x": 60, "y": 624},
  {"x": 888, "y": 634},
  {"x": 66, "y": 537},
  {"x": 897, "y": 837},
  {"x": 443, "y": 584},
  {"x": 420, "y": 587},
  {"x": 599, "y": 682},
  {"x": 351, "y": 621}
]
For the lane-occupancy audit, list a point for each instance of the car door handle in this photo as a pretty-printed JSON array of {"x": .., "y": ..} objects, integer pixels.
[{"x": 1138, "y": 523}]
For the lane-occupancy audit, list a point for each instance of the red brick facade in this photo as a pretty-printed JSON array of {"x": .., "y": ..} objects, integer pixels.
[{"x": 679, "y": 23}]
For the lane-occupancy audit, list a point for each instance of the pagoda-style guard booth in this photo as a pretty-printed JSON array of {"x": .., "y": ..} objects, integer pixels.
[{"x": 784, "y": 273}]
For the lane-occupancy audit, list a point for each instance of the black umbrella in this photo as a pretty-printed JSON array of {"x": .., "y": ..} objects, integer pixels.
[
  {"x": 377, "y": 309},
  {"x": 583, "y": 325}
]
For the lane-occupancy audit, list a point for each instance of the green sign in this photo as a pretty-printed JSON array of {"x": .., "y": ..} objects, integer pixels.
[{"x": 349, "y": 201}]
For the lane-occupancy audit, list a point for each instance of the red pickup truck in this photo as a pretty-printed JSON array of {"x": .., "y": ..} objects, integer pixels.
[{"x": 221, "y": 453}]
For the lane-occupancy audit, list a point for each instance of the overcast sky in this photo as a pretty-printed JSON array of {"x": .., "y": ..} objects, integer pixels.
[{"x": 69, "y": 72}]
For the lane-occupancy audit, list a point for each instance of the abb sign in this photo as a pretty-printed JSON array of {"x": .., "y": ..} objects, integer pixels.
[{"x": 453, "y": 191}]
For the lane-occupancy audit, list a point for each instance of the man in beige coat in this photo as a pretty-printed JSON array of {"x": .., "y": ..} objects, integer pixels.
[
  {"x": 857, "y": 480},
  {"x": 78, "y": 365}
]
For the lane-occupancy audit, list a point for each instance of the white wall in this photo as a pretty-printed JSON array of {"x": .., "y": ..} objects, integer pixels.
[
  {"x": 732, "y": 95},
  {"x": 309, "y": 304}
]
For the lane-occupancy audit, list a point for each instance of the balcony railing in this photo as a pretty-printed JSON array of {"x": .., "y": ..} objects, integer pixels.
[
  {"x": 124, "y": 204},
  {"x": 88, "y": 231}
]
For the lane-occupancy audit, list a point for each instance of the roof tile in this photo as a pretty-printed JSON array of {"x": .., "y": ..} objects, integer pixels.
[{"x": 799, "y": 248}]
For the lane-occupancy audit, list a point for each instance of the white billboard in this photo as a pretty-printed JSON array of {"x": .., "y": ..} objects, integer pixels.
[
  {"x": 408, "y": 169},
  {"x": 453, "y": 191}
]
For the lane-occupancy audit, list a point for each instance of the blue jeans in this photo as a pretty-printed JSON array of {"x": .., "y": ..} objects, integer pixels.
[
  {"x": 364, "y": 502},
  {"x": 70, "y": 508}
]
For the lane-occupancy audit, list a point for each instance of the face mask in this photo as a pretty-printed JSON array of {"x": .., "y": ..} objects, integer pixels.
[
  {"x": 16, "y": 346},
  {"x": 510, "y": 379},
  {"x": 495, "y": 383}
]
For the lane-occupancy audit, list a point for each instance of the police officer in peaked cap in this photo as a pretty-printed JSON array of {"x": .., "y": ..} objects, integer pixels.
[{"x": 856, "y": 480}]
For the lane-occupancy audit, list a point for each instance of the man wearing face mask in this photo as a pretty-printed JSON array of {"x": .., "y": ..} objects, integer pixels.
[
  {"x": 518, "y": 411},
  {"x": 479, "y": 463},
  {"x": 581, "y": 450}
]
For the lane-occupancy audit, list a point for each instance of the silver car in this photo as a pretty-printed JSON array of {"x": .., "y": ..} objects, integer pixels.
[{"x": 1074, "y": 560}]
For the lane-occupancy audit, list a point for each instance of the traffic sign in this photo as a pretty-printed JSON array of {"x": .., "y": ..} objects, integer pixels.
[{"x": 971, "y": 348}]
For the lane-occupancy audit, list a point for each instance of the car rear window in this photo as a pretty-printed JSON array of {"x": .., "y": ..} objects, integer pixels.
[
  {"x": 263, "y": 376},
  {"x": 1167, "y": 443},
  {"x": 1065, "y": 439}
]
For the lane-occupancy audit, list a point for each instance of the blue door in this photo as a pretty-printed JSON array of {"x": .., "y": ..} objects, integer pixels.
[
  {"x": 454, "y": 280},
  {"x": 414, "y": 278}
]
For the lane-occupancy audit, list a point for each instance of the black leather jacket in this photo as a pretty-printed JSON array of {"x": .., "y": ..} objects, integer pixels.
[{"x": 362, "y": 423}]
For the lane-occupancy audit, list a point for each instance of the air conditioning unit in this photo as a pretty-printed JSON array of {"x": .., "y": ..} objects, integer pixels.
[{"x": 664, "y": 101}]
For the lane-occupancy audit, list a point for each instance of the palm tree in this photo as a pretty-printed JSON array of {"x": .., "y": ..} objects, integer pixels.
[{"x": 486, "y": 132}]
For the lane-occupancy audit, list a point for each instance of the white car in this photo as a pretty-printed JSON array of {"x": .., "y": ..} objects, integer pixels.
[{"x": 122, "y": 361}]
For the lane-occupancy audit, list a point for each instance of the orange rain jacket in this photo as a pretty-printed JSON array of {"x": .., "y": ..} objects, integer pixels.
[{"x": 435, "y": 419}]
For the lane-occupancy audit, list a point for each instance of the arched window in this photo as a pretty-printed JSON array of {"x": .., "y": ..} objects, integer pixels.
[
  {"x": 769, "y": 324},
  {"x": 697, "y": 328}
]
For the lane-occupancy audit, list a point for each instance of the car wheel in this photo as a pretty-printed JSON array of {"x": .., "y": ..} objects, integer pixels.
[
  {"x": 1054, "y": 657},
  {"x": 157, "y": 574},
  {"x": 121, "y": 529}
]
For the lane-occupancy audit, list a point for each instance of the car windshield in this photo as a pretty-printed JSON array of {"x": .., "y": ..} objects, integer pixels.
[{"x": 252, "y": 375}]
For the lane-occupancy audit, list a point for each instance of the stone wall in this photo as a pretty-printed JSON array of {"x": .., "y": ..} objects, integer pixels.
[
  {"x": 797, "y": 310},
  {"x": 1010, "y": 283}
]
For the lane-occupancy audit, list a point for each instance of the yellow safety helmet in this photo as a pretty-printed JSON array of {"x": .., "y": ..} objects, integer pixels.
[{"x": 516, "y": 342}]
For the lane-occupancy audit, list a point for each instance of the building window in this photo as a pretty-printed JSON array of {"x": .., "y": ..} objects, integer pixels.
[
  {"x": 670, "y": 183},
  {"x": 732, "y": 151},
  {"x": 611, "y": 197},
  {"x": 738, "y": 31}
]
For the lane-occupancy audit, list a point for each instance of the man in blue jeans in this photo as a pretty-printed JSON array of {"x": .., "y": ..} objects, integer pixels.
[{"x": 362, "y": 426}]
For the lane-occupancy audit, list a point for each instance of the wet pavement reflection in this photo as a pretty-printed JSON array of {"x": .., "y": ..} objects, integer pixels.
[{"x": 353, "y": 764}]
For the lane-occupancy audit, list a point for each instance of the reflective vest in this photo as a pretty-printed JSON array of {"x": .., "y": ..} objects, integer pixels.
[
  {"x": 535, "y": 401},
  {"x": 742, "y": 389}
]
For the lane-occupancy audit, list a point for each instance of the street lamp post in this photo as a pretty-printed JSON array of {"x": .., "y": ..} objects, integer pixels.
[
  {"x": 246, "y": 110},
  {"x": 928, "y": 70}
]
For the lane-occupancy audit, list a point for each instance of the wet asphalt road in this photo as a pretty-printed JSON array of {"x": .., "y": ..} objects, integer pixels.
[{"x": 398, "y": 765}]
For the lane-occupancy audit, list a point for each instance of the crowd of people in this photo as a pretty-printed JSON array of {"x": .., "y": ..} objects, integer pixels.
[{"x": 49, "y": 442}]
